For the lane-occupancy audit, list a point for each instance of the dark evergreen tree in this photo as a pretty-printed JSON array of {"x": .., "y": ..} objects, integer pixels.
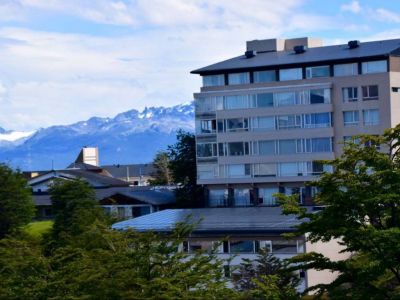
[
  {"x": 163, "y": 175},
  {"x": 16, "y": 205}
]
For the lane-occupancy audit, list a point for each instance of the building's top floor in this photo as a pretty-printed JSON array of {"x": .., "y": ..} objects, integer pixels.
[{"x": 300, "y": 52}]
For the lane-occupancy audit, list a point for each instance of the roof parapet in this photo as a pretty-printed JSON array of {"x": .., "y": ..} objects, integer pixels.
[{"x": 274, "y": 45}]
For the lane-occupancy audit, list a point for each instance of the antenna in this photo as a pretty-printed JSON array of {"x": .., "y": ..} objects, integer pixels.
[{"x": 52, "y": 164}]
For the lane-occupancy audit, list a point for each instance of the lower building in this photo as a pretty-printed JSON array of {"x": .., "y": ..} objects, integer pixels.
[{"x": 240, "y": 232}]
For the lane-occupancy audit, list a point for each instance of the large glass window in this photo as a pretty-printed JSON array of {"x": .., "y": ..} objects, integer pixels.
[
  {"x": 206, "y": 149},
  {"x": 287, "y": 146},
  {"x": 264, "y": 100},
  {"x": 290, "y": 74},
  {"x": 350, "y": 94},
  {"x": 266, "y": 148},
  {"x": 206, "y": 171},
  {"x": 370, "y": 92},
  {"x": 317, "y": 120},
  {"x": 207, "y": 126},
  {"x": 236, "y": 102},
  {"x": 284, "y": 246},
  {"x": 374, "y": 66},
  {"x": 241, "y": 197},
  {"x": 195, "y": 246},
  {"x": 371, "y": 116},
  {"x": 264, "y": 76},
  {"x": 320, "y": 71},
  {"x": 265, "y": 195},
  {"x": 239, "y": 170},
  {"x": 239, "y": 78},
  {"x": 284, "y": 99},
  {"x": 263, "y": 123},
  {"x": 289, "y": 122},
  {"x": 345, "y": 69},
  {"x": 241, "y": 246},
  {"x": 265, "y": 170},
  {"x": 290, "y": 169},
  {"x": 319, "y": 145},
  {"x": 238, "y": 124},
  {"x": 238, "y": 148},
  {"x": 213, "y": 80},
  {"x": 217, "y": 197},
  {"x": 351, "y": 118},
  {"x": 320, "y": 96}
]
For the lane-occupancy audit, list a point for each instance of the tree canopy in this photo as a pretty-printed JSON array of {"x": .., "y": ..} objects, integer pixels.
[
  {"x": 16, "y": 205},
  {"x": 361, "y": 199}
]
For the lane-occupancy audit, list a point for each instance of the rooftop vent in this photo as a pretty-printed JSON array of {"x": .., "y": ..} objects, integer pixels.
[
  {"x": 299, "y": 49},
  {"x": 250, "y": 53},
  {"x": 353, "y": 44}
]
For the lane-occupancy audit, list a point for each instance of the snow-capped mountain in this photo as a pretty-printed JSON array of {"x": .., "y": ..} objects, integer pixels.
[{"x": 129, "y": 137}]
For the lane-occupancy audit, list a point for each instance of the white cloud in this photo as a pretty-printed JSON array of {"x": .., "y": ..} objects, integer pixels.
[
  {"x": 353, "y": 7},
  {"x": 386, "y": 16}
]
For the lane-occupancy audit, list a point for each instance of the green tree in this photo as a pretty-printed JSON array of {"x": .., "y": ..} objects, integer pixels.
[
  {"x": 163, "y": 175},
  {"x": 75, "y": 209},
  {"x": 267, "y": 277},
  {"x": 183, "y": 168},
  {"x": 16, "y": 205},
  {"x": 362, "y": 210}
]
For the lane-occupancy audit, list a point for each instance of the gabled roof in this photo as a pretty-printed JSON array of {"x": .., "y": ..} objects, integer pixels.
[
  {"x": 312, "y": 55},
  {"x": 146, "y": 195},
  {"x": 216, "y": 220},
  {"x": 94, "y": 179}
]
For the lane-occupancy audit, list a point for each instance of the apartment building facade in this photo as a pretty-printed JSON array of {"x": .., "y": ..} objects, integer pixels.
[{"x": 265, "y": 119}]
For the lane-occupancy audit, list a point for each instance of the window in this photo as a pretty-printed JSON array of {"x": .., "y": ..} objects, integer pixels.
[
  {"x": 319, "y": 145},
  {"x": 241, "y": 197},
  {"x": 213, "y": 80},
  {"x": 265, "y": 196},
  {"x": 289, "y": 122},
  {"x": 314, "y": 72},
  {"x": 195, "y": 246},
  {"x": 241, "y": 246},
  {"x": 374, "y": 66},
  {"x": 238, "y": 148},
  {"x": 351, "y": 139},
  {"x": 239, "y": 78},
  {"x": 207, "y": 171},
  {"x": 317, "y": 120},
  {"x": 290, "y": 74},
  {"x": 371, "y": 117},
  {"x": 240, "y": 170},
  {"x": 350, "y": 94},
  {"x": 263, "y": 123},
  {"x": 290, "y": 169},
  {"x": 239, "y": 124},
  {"x": 121, "y": 212},
  {"x": 317, "y": 168},
  {"x": 345, "y": 69},
  {"x": 370, "y": 92},
  {"x": 264, "y": 76},
  {"x": 265, "y": 147},
  {"x": 287, "y": 146},
  {"x": 206, "y": 150},
  {"x": 264, "y": 100},
  {"x": 350, "y": 118},
  {"x": 236, "y": 102},
  {"x": 264, "y": 170},
  {"x": 207, "y": 126},
  {"x": 284, "y": 246},
  {"x": 284, "y": 99},
  {"x": 320, "y": 96},
  {"x": 217, "y": 197}
]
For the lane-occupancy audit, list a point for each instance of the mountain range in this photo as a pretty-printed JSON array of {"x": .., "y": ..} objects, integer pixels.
[{"x": 130, "y": 137}]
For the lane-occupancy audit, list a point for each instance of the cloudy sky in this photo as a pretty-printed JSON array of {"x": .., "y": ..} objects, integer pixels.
[{"x": 62, "y": 61}]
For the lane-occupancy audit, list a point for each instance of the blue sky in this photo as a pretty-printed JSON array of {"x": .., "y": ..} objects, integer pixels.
[{"x": 64, "y": 61}]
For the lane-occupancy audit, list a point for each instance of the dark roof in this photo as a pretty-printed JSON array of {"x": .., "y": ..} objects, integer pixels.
[
  {"x": 84, "y": 166},
  {"x": 121, "y": 171},
  {"x": 216, "y": 220},
  {"x": 314, "y": 54},
  {"x": 150, "y": 195}
]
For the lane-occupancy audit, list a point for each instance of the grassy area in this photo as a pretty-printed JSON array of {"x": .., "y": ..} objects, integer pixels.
[{"x": 37, "y": 229}]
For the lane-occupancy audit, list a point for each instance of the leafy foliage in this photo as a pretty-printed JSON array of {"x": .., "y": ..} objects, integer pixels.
[
  {"x": 362, "y": 210},
  {"x": 267, "y": 277},
  {"x": 16, "y": 206},
  {"x": 183, "y": 168},
  {"x": 162, "y": 175}
]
